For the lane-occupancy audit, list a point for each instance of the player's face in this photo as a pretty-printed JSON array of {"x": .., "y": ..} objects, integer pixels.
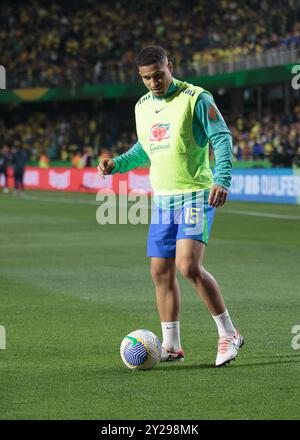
[{"x": 157, "y": 77}]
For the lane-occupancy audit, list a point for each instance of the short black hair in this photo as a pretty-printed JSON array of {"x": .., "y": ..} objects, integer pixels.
[{"x": 151, "y": 55}]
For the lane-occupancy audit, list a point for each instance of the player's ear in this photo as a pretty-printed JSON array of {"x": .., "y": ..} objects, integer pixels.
[{"x": 170, "y": 66}]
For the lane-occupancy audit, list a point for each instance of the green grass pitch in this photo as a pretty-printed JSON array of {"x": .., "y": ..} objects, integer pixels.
[{"x": 72, "y": 289}]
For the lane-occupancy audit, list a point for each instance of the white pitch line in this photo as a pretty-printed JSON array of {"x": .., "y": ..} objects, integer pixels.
[
  {"x": 58, "y": 200},
  {"x": 82, "y": 201},
  {"x": 262, "y": 214}
]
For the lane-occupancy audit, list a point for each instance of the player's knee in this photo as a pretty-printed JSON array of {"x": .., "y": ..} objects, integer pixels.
[
  {"x": 189, "y": 269},
  {"x": 160, "y": 275}
]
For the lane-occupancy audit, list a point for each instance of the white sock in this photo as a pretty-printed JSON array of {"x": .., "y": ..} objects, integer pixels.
[
  {"x": 224, "y": 324},
  {"x": 171, "y": 335}
]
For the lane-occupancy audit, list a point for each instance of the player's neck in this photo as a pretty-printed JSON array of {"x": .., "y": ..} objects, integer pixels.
[{"x": 173, "y": 87}]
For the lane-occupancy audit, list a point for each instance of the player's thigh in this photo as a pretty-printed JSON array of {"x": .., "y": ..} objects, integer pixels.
[{"x": 162, "y": 234}]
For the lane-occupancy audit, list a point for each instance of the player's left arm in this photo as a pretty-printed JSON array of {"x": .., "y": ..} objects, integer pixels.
[{"x": 220, "y": 137}]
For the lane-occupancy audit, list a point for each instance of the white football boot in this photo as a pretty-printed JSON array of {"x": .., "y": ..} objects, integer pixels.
[
  {"x": 228, "y": 347},
  {"x": 169, "y": 356}
]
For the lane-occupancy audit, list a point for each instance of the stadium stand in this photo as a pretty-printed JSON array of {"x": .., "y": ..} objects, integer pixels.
[{"x": 53, "y": 43}]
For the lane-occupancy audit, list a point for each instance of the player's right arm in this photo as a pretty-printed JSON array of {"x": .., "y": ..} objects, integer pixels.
[{"x": 134, "y": 158}]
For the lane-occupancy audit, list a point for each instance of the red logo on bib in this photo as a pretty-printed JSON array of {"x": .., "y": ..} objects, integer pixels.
[{"x": 159, "y": 132}]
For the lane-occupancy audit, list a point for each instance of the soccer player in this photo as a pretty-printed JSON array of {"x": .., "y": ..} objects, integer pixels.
[
  {"x": 19, "y": 159},
  {"x": 175, "y": 122},
  {"x": 4, "y": 160}
]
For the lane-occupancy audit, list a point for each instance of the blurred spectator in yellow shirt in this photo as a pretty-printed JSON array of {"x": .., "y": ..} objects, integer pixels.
[
  {"x": 43, "y": 160},
  {"x": 77, "y": 160}
]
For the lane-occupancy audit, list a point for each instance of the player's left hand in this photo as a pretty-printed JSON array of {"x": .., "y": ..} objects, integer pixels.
[{"x": 217, "y": 196}]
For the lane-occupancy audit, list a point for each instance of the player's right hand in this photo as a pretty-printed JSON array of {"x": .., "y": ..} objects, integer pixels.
[{"x": 105, "y": 167}]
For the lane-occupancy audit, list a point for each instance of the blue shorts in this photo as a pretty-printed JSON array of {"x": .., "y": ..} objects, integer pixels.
[{"x": 191, "y": 219}]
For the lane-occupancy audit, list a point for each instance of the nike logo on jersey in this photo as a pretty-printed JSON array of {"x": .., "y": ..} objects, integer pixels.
[{"x": 157, "y": 111}]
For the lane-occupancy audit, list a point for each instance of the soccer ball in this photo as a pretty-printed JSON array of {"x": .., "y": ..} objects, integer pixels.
[{"x": 140, "y": 350}]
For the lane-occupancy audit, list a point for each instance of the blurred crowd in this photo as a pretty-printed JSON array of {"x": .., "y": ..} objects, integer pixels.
[
  {"x": 77, "y": 137},
  {"x": 51, "y": 43},
  {"x": 275, "y": 138},
  {"x": 80, "y": 138}
]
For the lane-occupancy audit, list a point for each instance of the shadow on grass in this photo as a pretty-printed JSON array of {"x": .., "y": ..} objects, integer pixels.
[
  {"x": 195, "y": 366},
  {"x": 182, "y": 366}
]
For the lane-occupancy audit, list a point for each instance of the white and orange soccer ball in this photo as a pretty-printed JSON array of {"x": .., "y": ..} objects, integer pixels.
[{"x": 140, "y": 350}]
